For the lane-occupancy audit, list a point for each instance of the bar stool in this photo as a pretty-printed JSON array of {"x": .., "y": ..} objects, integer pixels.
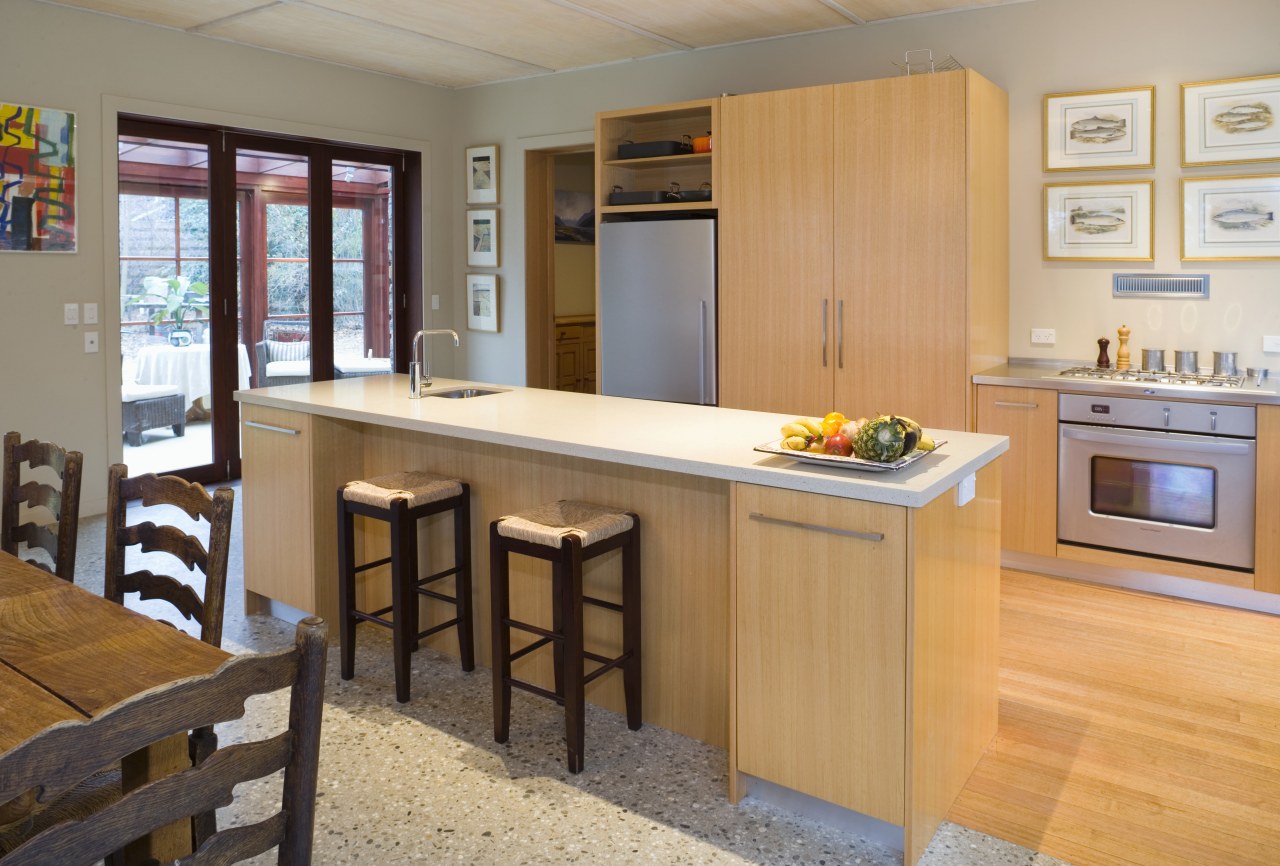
[
  {"x": 401, "y": 499},
  {"x": 566, "y": 534}
]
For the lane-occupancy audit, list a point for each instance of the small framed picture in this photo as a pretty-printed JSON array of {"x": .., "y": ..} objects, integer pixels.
[
  {"x": 1230, "y": 121},
  {"x": 482, "y": 238},
  {"x": 482, "y": 302},
  {"x": 1231, "y": 218},
  {"x": 1098, "y": 222},
  {"x": 482, "y": 175},
  {"x": 1099, "y": 129}
]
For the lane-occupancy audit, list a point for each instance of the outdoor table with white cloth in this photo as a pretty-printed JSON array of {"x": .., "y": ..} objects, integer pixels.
[{"x": 187, "y": 367}]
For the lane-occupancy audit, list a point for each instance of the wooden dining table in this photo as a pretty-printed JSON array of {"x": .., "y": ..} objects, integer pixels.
[{"x": 66, "y": 653}]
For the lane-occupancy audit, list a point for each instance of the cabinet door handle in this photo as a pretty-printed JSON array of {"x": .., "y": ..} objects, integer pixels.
[
  {"x": 824, "y": 332},
  {"x": 702, "y": 352},
  {"x": 288, "y": 431},
  {"x": 814, "y": 527},
  {"x": 1006, "y": 404},
  {"x": 840, "y": 333}
]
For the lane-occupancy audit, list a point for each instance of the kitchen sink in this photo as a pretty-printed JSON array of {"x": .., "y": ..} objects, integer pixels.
[{"x": 462, "y": 393}]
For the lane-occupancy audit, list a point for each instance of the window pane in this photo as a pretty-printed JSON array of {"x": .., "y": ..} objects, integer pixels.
[
  {"x": 361, "y": 269},
  {"x": 348, "y": 287},
  {"x": 287, "y": 288},
  {"x": 287, "y": 227},
  {"x": 348, "y": 233},
  {"x": 147, "y": 226},
  {"x": 193, "y": 215}
]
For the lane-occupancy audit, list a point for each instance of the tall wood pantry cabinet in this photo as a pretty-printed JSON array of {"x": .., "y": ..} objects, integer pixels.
[{"x": 864, "y": 246}]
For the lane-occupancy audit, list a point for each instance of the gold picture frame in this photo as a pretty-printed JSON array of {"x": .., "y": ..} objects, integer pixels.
[
  {"x": 1231, "y": 121},
  {"x": 1231, "y": 219},
  {"x": 1093, "y": 130},
  {"x": 1086, "y": 221}
]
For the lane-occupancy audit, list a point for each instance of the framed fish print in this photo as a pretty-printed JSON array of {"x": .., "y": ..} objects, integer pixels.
[
  {"x": 482, "y": 175},
  {"x": 1231, "y": 218},
  {"x": 482, "y": 302},
  {"x": 482, "y": 238},
  {"x": 1231, "y": 121},
  {"x": 1099, "y": 222},
  {"x": 1100, "y": 129}
]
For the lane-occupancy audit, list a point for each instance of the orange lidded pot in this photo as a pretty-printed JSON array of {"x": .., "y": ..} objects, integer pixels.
[{"x": 702, "y": 143}]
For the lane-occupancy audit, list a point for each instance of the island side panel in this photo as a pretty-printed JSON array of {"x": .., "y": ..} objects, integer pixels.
[
  {"x": 954, "y": 650},
  {"x": 684, "y": 564}
]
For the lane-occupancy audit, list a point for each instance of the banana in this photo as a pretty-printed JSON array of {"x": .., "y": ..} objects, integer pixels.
[
  {"x": 813, "y": 425},
  {"x": 795, "y": 443},
  {"x": 926, "y": 443},
  {"x": 795, "y": 429}
]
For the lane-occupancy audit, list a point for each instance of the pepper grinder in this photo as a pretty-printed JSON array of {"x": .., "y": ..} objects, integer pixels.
[
  {"x": 1122, "y": 354},
  {"x": 1104, "y": 360}
]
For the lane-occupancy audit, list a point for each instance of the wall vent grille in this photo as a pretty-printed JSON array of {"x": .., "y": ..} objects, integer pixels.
[{"x": 1160, "y": 285}]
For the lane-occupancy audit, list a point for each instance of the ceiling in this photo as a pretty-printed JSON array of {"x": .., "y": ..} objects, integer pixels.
[{"x": 459, "y": 43}]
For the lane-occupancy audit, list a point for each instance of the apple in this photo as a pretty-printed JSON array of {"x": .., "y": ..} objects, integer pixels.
[{"x": 839, "y": 445}]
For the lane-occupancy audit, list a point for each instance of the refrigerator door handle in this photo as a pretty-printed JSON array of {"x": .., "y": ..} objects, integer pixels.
[
  {"x": 824, "y": 332},
  {"x": 702, "y": 352},
  {"x": 840, "y": 333}
]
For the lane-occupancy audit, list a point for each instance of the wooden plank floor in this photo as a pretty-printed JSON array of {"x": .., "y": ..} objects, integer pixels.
[{"x": 1134, "y": 729}]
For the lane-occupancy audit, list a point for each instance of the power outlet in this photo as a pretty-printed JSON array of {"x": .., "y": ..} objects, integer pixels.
[
  {"x": 1271, "y": 344},
  {"x": 90, "y": 342},
  {"x": 1043, "y": 336}
]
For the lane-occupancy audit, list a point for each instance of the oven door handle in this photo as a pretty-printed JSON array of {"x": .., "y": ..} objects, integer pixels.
[{"x": 1201, "y": 444}]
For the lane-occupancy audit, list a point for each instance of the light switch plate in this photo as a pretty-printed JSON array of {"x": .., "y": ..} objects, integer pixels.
[
  {"x": 70, "y": 314},
  {"x": 91, "y": 314},
  {"x": 966, "y": 490},
  {"x": 1043, "y": 336},
  {"x": 435, "y": 302},
  {"x": 1271, "y": 344},
  {"x": 90, "y": 342}
]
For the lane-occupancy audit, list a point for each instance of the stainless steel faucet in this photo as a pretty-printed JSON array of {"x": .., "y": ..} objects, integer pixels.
[{"x": 417, "y": 381}]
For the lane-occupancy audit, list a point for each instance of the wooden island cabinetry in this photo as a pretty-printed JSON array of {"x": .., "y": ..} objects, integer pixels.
[
  {"x": 1029, "y": 500},
  {"x": 864, "y": 246}
]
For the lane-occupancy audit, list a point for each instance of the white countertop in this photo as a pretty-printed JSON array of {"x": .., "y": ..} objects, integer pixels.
[{"x": 696, "y": 440}]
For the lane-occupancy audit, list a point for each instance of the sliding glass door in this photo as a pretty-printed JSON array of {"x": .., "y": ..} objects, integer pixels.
[{"x": 284, "y": 260}]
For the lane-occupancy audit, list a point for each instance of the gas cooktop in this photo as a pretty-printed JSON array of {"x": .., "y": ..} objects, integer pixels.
[{"x": 1150, "y": 377}]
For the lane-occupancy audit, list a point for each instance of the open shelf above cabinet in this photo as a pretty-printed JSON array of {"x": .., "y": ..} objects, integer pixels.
[{"x": 669, "y": 122}]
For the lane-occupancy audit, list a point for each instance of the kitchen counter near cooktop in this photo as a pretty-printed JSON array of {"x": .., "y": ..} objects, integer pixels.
[
  {"x": 1021, "y": 373},
  {"x": 697, "y": 440}
]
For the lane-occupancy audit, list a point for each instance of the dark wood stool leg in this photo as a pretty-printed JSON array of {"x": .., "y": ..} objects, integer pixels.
[
  {"x": 462, "y": 582},
  {"x": 500, "y": 603},
  {"x": 558, "y": 609},
  {"x": 404, "y": 547},
  {"x": 346, "y": 589},
  {"x": 631, "y": 682},
  {"x": 574, "y": 702}
]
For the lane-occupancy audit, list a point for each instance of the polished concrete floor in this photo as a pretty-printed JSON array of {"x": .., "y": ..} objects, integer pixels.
[{"x": 423, "y": 782}]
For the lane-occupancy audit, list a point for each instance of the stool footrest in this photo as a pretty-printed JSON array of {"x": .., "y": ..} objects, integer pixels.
[
  {"x": 368, "y": 565},
  {"x": 435, "y": 628},
  {"x": 439, "y": 596},
  {"x": 431, "y": 578},
  {"x": 373, "y": 617},
  {"x": 536, "y": 645},
  {"x": 537, "y": 690},
  {"x": 532, "y": 629},
  {"x": 607, "y": 665},
  {"x": 600, "y": 602}
]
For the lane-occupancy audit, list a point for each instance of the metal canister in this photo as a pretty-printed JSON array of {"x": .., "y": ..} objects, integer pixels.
[
  {"x": 1186, "y": 361},
  {"x": 1224, "y": 364},
  {"x": 1153, "y": 360}
]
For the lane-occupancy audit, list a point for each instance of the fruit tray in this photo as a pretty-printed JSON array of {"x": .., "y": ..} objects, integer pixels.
[{"x": 775, "y": 447}]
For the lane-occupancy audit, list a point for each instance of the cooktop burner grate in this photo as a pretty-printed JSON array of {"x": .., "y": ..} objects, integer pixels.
[{"x": 1152, "y": 377}]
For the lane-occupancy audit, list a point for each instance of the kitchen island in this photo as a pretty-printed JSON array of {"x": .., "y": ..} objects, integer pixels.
[{"x": 835, "y": 630}]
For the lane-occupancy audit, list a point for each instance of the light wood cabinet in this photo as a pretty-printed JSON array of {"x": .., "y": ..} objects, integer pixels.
[
  {"x": 1029, "y": 501},
  {"x": 576, "y": 357},
  {"x": 1266, "y": 554},
  {"x": 865, "y": 648},
  {"x": 668, "y": 122},
  {"x": 863, "y": 246}
]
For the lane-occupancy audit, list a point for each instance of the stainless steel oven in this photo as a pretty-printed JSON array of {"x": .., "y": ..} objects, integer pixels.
[{"x": 1159, "y": 478}]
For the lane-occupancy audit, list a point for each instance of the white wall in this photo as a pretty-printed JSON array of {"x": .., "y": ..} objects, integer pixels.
[
  {"x": 1028, "y": 49},
  {"x": 93, "y": 65}
]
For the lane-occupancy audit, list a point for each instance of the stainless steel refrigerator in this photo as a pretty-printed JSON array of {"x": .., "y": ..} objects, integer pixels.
[{"x": 657, "y": 314}]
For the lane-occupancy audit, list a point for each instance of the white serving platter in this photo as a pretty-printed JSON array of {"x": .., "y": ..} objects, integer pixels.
[{"x": 775, "y": 447}]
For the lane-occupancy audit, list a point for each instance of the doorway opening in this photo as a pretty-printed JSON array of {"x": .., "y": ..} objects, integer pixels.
[
  {"x": 560, "y": 279},
  {"x": 249, "y": 260}
]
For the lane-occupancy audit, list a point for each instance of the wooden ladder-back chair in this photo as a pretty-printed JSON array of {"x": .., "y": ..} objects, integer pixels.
[
  {"x": 196, "y": 502},
  {"x": 63, "y": 502},
  {"x": 60, "y": 757}
]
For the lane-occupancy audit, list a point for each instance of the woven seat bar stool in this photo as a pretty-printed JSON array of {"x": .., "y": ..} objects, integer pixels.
[
  {"x": 402, "y": 499},
  {"x": 566, "y": 534}
]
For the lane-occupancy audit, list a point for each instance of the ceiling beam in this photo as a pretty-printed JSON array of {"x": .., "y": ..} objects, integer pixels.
[
  {"x": 618, "y": 22},
  {"x": 836, "y": 6}
]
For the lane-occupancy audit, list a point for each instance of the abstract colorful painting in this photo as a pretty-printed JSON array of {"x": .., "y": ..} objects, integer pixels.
[{"x": 37, "y": 179}]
